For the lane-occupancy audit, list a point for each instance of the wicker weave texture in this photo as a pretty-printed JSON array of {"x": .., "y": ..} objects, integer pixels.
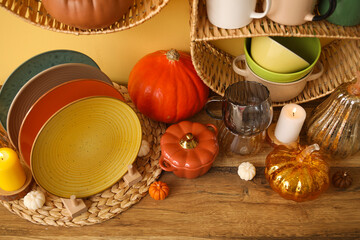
[
  {"x": 203, "y": 30},
  {"x": 34, "y": 12},
  {"x": 340, "y": 60},
  {"x": 110, "y": 202}
]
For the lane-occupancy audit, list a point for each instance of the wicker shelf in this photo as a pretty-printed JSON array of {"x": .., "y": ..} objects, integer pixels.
[
  {"x": 34, "y": 12},
  {"x": 340, "y": 58},
  {"x": 203, "y": 30}
]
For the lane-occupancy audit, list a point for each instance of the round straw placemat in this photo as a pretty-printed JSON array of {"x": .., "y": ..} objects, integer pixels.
[
  {"x": 109, "y": 203},
  {"x": 34, "y": 12}
]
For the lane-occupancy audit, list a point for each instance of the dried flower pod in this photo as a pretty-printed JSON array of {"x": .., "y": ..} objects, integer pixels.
[{"x": 342, "y": 179}]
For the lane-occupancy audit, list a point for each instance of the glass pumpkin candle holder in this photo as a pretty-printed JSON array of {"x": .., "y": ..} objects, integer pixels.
[
  {"x": 299, "y": 174},
  {"x": 335, "y": 125}
]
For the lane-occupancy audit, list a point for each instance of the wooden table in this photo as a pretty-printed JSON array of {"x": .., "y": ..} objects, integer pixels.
[{"x": 219, "y": 205}]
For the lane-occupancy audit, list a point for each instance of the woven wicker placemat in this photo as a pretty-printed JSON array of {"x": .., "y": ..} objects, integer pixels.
[
  {"x": 108, "y": 203},
  {"x": 203, "y": 30},
  {"x": 34, "y": 12}
]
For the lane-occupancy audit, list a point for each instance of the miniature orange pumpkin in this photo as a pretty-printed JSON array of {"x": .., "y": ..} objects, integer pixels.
[
  {"x": 297, "y": 174},
  {"x": 159, "y": 190},
  {"x": 165, "y": 86},
  {"x": 87, "y": 14}
]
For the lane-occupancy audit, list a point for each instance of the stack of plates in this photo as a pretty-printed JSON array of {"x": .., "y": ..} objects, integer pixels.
[{"x": 69, "y": 123}]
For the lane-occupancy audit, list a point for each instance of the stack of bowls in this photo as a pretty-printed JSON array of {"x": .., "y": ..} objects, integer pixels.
[
  {"x": 70, "y": 125},
  {"x": 283, "y": 64}
]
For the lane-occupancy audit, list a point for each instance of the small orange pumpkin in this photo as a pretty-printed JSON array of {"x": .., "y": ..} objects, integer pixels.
[
  {"x": 297, "y": 174},
  {"x": 159, "y": 190}
]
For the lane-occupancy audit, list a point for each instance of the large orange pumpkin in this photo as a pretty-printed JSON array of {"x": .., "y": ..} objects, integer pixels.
[
  {"x": 165, "y": 86},
  {"x": 87, "y": 14}
]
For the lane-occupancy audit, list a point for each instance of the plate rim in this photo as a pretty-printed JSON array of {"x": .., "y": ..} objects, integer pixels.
[
  {"x": 22, "y": 65},
  {"x": 31, "y": 81}
]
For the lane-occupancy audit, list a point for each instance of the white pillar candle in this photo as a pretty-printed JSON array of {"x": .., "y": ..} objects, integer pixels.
[{"x": 291, "y": 120}]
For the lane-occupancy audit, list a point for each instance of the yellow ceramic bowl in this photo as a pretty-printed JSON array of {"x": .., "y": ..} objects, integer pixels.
[
  {"x": 86, "y": 147},
  {"x": 270, "y": 54}
]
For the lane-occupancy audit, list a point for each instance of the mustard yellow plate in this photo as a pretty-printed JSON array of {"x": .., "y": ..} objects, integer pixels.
[{"x": 86, "y": 147}]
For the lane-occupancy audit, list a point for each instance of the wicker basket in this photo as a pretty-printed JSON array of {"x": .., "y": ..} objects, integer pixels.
[
  {"x": 34, "y": 12},
  {"x": 203, "y": 30},
  {"x": 340, "y": 58}
]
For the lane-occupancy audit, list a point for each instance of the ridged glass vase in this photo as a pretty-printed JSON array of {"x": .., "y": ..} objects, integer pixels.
[{"x": 335, "y": 123}]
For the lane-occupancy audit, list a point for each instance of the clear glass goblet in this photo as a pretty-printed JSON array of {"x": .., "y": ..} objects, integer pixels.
[{"x": 246, "y": 113}]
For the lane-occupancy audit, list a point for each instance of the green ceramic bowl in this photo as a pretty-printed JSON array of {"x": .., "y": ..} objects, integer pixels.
[{"x": 310, "y": 50}]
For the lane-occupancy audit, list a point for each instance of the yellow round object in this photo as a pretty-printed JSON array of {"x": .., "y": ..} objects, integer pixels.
[{"x": 86, "y": 147}]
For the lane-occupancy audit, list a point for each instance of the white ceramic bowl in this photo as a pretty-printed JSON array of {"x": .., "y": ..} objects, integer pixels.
[{"x": 279, "y": 92}]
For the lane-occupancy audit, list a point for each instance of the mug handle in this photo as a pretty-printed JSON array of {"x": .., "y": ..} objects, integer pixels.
[
  {"x": 318, "y": 74},
  {"x": 263, "y": 14},
  {"x": 332, "y": 6},
  {"x": 211, "y": 100},
  {"x": 240, "y": 71}
]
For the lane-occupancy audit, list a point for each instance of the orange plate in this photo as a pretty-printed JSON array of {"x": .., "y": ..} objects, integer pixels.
[{"x": 52, "y": 101}]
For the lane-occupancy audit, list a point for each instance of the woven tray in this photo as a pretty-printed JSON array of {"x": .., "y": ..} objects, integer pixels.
[
  {"x": 33, "y": 12},
  {"x": 340, "y": 59},
  {"x": 203, "y": 30},
  {"x": 110, "y": 202}
]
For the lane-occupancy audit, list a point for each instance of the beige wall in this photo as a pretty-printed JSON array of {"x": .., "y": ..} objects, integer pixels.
[{"x": 116, "y": 53}]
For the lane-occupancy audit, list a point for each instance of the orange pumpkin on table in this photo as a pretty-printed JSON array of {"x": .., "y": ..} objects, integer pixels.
[
  {"x": 159, "y": 190},
  {"x": 165, "y": 87},
  {"x": 297, "y": 174},
  {"x": 87, "y": 14}
]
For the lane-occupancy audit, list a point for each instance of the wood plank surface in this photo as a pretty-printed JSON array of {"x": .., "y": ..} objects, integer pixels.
[{"x": 219, "y": 205}]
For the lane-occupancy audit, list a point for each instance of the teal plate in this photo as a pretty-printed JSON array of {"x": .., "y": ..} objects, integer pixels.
[{"x": 32, "y": 67}]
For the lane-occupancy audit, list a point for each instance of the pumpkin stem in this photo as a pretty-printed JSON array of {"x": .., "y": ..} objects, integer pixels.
[
  {"x": 173, "y": 55},
  {"x": 354, "y": 89},
  {"x": 188, "y": 141},
  {"x": 307, "y": 151}
]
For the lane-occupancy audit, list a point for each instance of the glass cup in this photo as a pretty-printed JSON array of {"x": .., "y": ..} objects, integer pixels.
[{"x": 246, "y": 113}]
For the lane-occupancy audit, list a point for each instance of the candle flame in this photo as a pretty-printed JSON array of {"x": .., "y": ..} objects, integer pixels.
[{"x": 294, "y": 111}]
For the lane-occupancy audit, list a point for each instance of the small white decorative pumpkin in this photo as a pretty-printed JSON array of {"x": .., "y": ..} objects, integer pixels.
[
  {"x": 246, "y": 171},
  {"x": 34, "y": 200},
  {"x": 144, "y": 149}
]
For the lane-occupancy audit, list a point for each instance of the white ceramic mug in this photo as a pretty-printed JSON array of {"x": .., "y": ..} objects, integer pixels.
[
  {"x": 231, "y": 14},
  {"x": 296, "y": 12},
  {"x": 279, "y": 92}
]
